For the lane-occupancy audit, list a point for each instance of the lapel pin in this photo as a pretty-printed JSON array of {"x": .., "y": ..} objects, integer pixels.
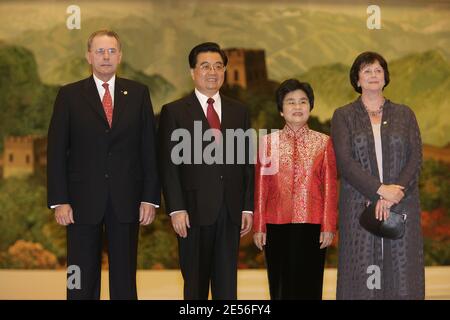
[
  {"x": 385, "y": 122},
  {"x": 125, "y": 92}
]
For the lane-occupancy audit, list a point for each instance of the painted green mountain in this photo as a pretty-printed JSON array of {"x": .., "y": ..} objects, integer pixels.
[
  {"x": 421, "y": 81},
  {"x": 146, "y": 48},
  {"x": 26, "y": 103},
  {"x": 77, "y": 68},
  {"x": 308, "y": 39},
  {"x": 158, "y": 37}
]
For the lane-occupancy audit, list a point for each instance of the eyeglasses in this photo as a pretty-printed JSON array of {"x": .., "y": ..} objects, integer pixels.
[
  {"x": 206, "y": 67},
  {"x": 101, "y": 51}
]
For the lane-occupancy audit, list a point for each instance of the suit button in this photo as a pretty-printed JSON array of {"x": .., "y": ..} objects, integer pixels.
[
  {"x": 109, "y": 153},
  {"x": 221, "y": 177},
  {"x": 106, "y": 175},
  {"x": 107, "y": 131}
]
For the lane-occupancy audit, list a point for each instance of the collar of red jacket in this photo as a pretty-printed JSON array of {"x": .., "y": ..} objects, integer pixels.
[{"x": 296, "y": 133}]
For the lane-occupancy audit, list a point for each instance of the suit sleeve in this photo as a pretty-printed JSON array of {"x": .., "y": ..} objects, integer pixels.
[
  {"x": 57, "y": 151},
  {"x": 249, "y": 174},
  {"x": 151, "y": 191},
  {"x": 348, "y": 167},
  {"x": 170, "y": 175}
]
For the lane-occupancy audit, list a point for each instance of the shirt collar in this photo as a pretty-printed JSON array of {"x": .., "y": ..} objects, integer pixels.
[
  {"x": 111, "y": 82},
  {"x": 203, "y": 99}
]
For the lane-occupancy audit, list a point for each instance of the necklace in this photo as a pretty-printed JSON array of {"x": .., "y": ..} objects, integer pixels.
[{"x": 374, "y": 113}]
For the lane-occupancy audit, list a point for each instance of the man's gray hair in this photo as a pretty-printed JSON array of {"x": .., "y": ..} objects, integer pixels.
[{"x": 104, "y": 32}]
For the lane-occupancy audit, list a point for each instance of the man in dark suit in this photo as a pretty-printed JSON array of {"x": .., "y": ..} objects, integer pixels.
[
  {"x": 102, "y": 170},
  {"x": 210, "y": 202}
]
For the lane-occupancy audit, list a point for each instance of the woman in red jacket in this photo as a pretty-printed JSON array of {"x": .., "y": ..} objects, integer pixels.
[{"x": 295, "y": 198}]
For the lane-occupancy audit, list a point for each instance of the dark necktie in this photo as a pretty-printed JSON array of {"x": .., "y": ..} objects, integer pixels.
[
  {"x": 107, "y": 104},
  {"x": 213, "y": 117}
]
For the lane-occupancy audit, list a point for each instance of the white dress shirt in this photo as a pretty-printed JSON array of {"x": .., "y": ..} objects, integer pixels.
[
  {"x": 204, "y": 103},
  {"x": 101, "y": 91}
]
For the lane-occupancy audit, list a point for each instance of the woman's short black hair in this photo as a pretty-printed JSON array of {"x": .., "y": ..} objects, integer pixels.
[
  {"x": 206, "y": 47},
  {"x": 361, "y": 61},
  {"x": 292, "y": 85}
]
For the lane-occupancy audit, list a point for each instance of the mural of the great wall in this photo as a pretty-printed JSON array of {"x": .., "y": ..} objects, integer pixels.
[{"x": 266, "y": 42}]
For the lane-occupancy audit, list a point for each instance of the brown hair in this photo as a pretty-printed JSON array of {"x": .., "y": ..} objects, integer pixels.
[{"x": 364, "y": 59}]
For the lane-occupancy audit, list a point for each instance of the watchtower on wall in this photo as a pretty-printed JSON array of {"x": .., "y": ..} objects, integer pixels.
[
  {"x": 246, "y": 67},
  {"x": 23, "y": 155}
]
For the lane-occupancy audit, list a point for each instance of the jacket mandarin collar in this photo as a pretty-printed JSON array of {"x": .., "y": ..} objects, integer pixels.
[{"x": 291, "y": 133}]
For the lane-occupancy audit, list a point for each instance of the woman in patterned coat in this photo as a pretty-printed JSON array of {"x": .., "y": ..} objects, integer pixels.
[
  {"x": 378, "y": 153},
  {"x": 295, "y": 198}
]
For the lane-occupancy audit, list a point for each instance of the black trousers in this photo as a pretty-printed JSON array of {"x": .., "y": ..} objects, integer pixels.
[
  {"x": 295, "y": 262},
  {"x": 84, "y": 249},
  {"x": 209, "y": 255}
]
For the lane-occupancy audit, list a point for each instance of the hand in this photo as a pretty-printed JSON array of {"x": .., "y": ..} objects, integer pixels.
[
  {"x": 247, "y": 223},
  {"x": 64, "y": 214},
  {"x": 180, "y": 221},
  {"x": 326, "y": 238},
  {"x": 259, "y": 238},
  {"x": 391, "y": 192},
  {"x": 146, "y": 214},
  {"x": 382, "y": 209}
]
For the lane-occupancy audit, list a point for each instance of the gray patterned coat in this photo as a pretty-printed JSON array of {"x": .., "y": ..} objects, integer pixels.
[{"x": 401, "y": 264}]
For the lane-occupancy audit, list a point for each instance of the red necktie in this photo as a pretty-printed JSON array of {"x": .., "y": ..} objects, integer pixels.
[
  {"x": 213, "y": 118},
  {"x": 107, "y": 104}
]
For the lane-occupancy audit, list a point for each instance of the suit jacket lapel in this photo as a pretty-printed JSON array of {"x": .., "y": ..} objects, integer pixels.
[
  {"x": 196, "y": 111},
  {"x": 120, "y": 93},
  {"x": 91, "y": 94},
  {"x": 226, "y": 116}
]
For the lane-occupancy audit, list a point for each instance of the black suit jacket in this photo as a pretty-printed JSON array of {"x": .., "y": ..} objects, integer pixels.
[
  {"x": 87, "y": 161},
  {"x": 201, "y": 189}
]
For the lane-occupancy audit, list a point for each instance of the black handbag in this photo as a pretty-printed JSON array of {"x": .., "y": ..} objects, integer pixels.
[{"x": 392, "y": 228}]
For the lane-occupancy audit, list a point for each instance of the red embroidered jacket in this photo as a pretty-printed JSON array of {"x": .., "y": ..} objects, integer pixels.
[{"x": 295, "y": 180}]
